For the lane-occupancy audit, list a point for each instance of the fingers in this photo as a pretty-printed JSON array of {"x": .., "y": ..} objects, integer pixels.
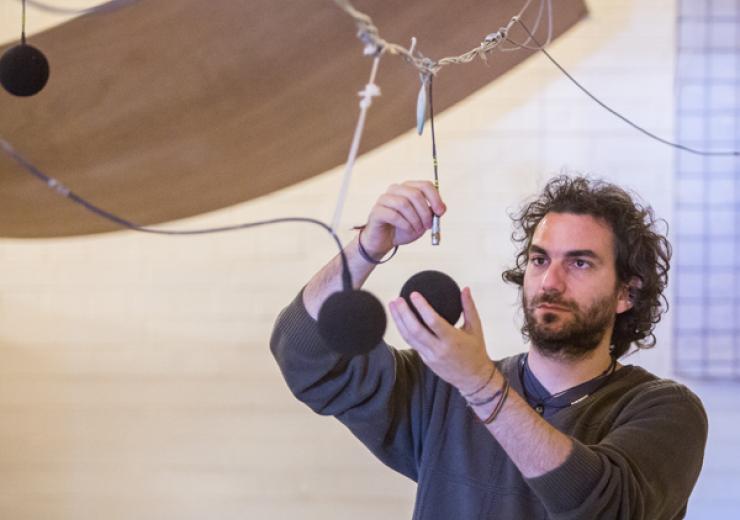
[
  {"x": 407, "y": 208},
  {"x": 470, "y": 312},
  {"x": 411, "y": 330},
  {"x": 434, "y": 321},
  {"x": 416, "y": 197},
  {"x": 431, "y": 194},
  {"x": 385, "y": 215},
  {"x": 404, "y": 206},
  {"x": 418, "y": 201}
]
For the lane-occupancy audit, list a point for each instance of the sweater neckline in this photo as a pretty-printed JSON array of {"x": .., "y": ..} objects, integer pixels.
[{"x": 548, "y": 405}]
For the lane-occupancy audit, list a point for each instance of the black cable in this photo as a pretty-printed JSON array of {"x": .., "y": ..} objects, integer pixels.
[
  {"x": 61, "y": 189},
  {"x": 431, "y": 124},
  {"x": 23, "y": 23},
  {"x": 685, "y": 148}
]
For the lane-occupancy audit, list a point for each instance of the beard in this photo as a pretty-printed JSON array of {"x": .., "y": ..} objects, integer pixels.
[{"x": 567, "y": 335}]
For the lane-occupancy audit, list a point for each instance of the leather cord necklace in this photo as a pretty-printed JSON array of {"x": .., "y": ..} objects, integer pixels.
[{"x": 564, "y": 398}]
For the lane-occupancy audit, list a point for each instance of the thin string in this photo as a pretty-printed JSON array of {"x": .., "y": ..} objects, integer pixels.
[
  {"x": 679, "y": 146},
  {"x": 371, "y": 90},
  {"x": 550, "y": 30},
  {"x": 64, "y": 191},
  {"x": 23, "y": 23},
  {"x": 369, "y": 34}
]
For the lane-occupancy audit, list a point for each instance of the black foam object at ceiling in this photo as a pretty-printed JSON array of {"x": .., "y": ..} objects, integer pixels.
[
  {"x": 352, "y": 322},
  {"x": 441, "y": 291},
  {"x": 24, "y": 70}
]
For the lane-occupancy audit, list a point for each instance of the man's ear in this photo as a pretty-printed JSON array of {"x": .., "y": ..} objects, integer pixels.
[{"x": 628, "y": 294}]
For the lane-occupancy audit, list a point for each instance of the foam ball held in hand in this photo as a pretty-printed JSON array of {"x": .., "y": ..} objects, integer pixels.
[{"x": 441, "y": 291}]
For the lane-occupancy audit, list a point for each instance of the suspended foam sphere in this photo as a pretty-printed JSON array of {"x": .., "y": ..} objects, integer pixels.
[
  {"x": 23, "y": 70},
  {"x": 352, "y": 322}
]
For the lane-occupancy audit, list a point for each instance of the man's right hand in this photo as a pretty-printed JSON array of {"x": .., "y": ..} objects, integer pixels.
[{"x": 401, "y": 215}]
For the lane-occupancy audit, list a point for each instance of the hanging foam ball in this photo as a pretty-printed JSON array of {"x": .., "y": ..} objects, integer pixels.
[
  {"x": 441, "y": 291},
  {"x": 352, "y": 322},
  {"x": 24, "y": 70}
]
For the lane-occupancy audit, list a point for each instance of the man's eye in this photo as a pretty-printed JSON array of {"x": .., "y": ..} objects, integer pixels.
[
  {"x": 581, "y": 264},
  {"x": 537, "y": 260}
]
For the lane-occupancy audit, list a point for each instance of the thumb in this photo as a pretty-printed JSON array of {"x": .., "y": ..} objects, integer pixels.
[{"x": 470, "y": 312}]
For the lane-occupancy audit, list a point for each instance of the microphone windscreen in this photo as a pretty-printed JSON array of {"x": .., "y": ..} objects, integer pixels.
[
  {"x": 352, "y": 322},
  {"x": 441, "y": 291},
  {"x": 24, "y": 70}
]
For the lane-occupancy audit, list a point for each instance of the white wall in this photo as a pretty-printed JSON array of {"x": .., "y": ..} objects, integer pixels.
[{"x": 135, "y": 378}]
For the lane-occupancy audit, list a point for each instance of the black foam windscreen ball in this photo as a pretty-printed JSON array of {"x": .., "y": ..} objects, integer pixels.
[
  {"x": 441, "y": 291},
  {"x": 352, "y": 322},
  {"x": 24, "y": 70}
]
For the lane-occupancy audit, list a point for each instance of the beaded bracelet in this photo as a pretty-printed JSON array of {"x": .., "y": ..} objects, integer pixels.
[
  {"x": 499, "y": 405},
  {"x": 364, "y": 254}
]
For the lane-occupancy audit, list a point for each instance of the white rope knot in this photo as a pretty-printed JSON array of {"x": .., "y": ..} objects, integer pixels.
[
  {"x": 495, "y": 37},
  {"x": 372, "y": 43},
  {"x": 370, "y": 91},
  {"x": 427, "y": 66}
]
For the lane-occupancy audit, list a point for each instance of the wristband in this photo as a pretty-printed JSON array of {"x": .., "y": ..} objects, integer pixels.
[
  {"x": 365, "y": 255},
  {"x": 499, "y": 405}
]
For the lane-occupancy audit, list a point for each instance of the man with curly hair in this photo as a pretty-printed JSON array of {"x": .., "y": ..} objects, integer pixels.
[{"x": 561, "y": 431}]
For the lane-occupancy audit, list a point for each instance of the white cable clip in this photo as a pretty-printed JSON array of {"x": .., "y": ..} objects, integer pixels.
[
  {"x": 57, "y": 186},
  {"x": 370, "y": 91}
]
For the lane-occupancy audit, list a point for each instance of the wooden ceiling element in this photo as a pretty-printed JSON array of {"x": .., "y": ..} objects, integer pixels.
[{"x": 165, "y": 110}]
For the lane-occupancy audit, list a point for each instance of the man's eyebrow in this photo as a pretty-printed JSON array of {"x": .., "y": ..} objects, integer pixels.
[
  {"x": 537, "y": 249},
  {"x": 582, "y": 252},
  {"x": 576, "y": 253}
]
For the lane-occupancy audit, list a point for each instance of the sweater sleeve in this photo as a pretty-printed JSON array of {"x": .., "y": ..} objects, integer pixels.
[
  {"x": 378, "y": 396},
  {"x": 645, "y": 467}
]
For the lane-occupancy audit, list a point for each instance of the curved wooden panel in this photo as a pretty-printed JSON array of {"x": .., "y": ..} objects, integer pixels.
[{"x": 164, "y": 110}]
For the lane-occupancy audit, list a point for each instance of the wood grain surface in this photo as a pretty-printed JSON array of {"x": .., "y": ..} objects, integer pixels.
[{"x": 165, "y": 110}]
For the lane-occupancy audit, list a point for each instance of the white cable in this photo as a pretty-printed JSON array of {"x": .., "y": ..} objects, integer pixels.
[{"x": 370, "y": 91}]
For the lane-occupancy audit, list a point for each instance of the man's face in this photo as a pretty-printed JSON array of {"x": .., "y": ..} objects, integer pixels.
[{"x": 570, "y": 294}]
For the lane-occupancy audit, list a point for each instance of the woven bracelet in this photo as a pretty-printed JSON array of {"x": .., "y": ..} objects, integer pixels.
[
  {"x": 499, "y": 405},
  {"x": 364, "y": 254},
  {"x": 490, "y": 376},
  {"x": 486, "y": 400}
]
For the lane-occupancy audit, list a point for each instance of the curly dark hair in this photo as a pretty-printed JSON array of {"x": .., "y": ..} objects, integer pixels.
[{"x": 641, "y": 252}]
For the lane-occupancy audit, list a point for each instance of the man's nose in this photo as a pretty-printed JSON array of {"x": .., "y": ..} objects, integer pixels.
[{"x": 554, "y": 278}]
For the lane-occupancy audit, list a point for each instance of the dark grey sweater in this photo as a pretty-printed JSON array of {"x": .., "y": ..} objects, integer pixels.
[{"x": 638, "y": 442}]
